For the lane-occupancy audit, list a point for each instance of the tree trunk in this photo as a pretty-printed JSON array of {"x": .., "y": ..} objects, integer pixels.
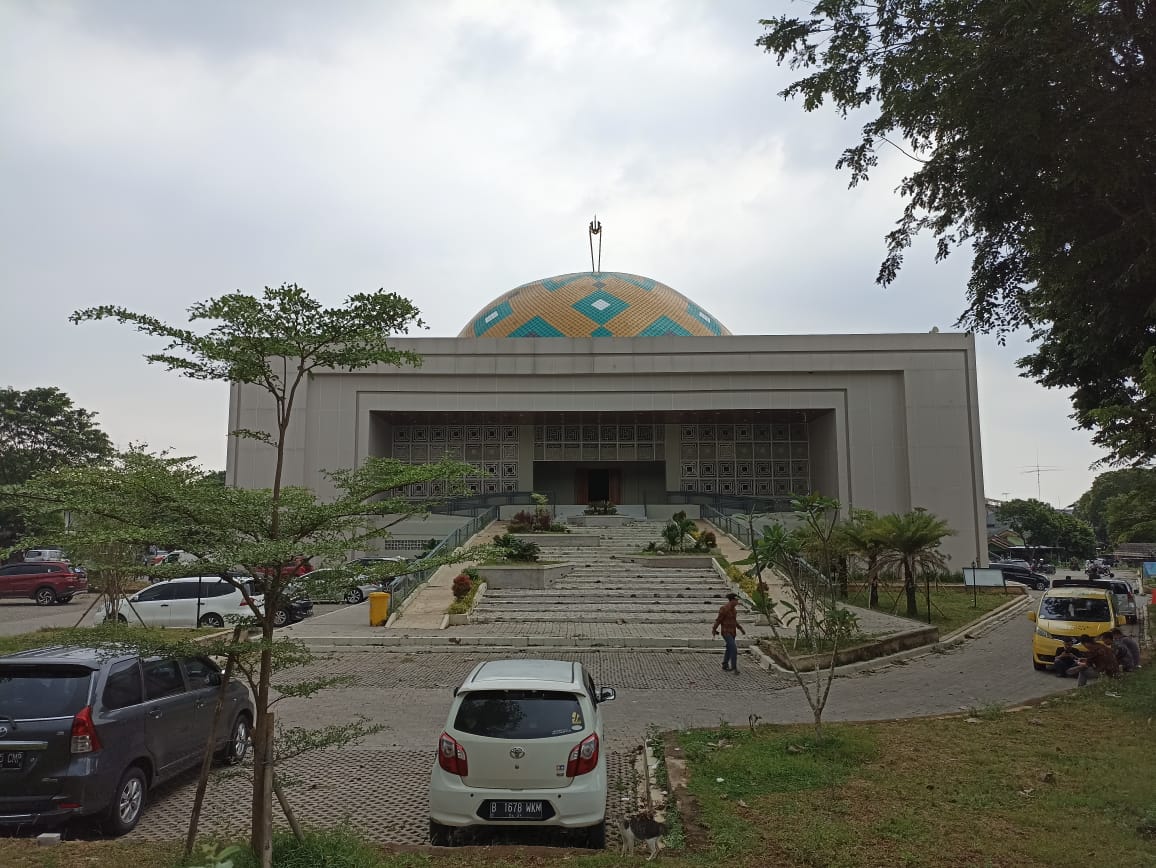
[
  {"x": 873, "y": 601},
  {"x": 927, "y": 594},
  {"x": 261, "y": 833},
  {"x": 818, "y": 724},
  {"x": 909, "y": 587}
]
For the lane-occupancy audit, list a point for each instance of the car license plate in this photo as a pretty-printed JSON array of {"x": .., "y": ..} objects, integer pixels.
[
  {"x": 12, "y": 759},
  {"x": 515, "y": 810}
]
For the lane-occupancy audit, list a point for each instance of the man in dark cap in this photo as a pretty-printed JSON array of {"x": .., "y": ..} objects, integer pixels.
[{"x": 727, "y": 623}]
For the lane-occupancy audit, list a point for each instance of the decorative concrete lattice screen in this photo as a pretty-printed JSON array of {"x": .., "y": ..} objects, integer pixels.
[
  {"x": 603, "y": 441},
  {"x": 763, "y": 459},
  {"x": 491, "y": 446}
]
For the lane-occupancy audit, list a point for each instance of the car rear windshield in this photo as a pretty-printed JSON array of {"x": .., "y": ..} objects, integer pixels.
[
  {"x": 1074, "y": 609},
  {"x": 520, "y": 714},
  {"x": 30, "y": 693}
]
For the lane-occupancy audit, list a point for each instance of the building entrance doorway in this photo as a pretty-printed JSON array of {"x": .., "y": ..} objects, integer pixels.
[{"x": 598, "y": 483}]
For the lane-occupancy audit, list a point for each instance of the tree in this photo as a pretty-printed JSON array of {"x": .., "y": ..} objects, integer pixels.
[
  {"x": 1035, "y": 521},
  {"x": 811, "y": 608},
  {"x": 1028, "y": 124},
  {"x": 1092, "y": 506},
  {"x": 911, "y": 544},
  {"x": 41, "y": 429},
  {"x": 274, "y": 342},
  {"x": 860, "y": 536}
]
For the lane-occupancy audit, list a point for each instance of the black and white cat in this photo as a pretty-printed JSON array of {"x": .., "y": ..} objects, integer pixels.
[{"x": 641, "y": 827}]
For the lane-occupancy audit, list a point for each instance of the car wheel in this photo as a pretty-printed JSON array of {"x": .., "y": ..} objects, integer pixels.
[
  {"x": 238, "y": 744},
  {"x": 354, "y": 596},
  {"x": 128, "y": 802},
  {"x": 280, "y": 617},
  {"x": 439, "y": 835},
  {"x": 212, "y": 619},
  {"x": 64, "y": 600},
  {"x": 596, "y": 836},
  {"x": 45, "y": 597}
]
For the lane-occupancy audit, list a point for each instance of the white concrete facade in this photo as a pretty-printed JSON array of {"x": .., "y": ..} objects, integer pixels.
[{"x": 891, "y": 420}]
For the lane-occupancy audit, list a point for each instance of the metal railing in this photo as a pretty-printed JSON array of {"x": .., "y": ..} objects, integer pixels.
[
  {"x": 405, "y": 584},
  {"x": 731, "y": 503},
  {"x": 740, "y": 530}
]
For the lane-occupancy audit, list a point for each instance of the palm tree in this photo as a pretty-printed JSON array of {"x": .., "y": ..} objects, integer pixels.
[
  {"x": 860, "y": 536},
  {"x": 911, "y": 543}
]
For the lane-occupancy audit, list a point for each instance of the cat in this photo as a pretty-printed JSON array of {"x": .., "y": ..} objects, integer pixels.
[{"x": 641, "y": 827}]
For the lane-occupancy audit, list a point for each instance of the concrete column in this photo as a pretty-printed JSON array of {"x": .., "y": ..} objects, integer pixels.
[
  {"x": 526, "y": 457},
  {"x": 673, "y": 458}
]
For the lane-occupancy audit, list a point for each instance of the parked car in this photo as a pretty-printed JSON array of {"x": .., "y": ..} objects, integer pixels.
[
  {"x": 174, "y": 557},
  {"x": 205, "y": 601},
  {"x": 1015, "y": 573},
  {"x": 1122, "y": 590},
  {"x": 522, "y": 746},
  {"x": 330, "y": 584},
  {"x": 1013, "y": 563},
  {"x": 1070, "y": 608},
  {"x": 46, "y": 582},
  {"x": 36, "y": 555},
  {"x": 86, "y": 734}
]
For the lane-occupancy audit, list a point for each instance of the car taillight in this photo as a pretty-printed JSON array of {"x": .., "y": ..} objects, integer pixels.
[
  {"x": 84, "y": 737},
  {"x": 583, "y": 758},
  {"x": 452, "y": 756}
]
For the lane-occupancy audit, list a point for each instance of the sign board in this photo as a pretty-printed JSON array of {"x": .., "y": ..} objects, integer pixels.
[
  {"x": 982, "y": 578},
  {"x": 1150, "y": 569}
]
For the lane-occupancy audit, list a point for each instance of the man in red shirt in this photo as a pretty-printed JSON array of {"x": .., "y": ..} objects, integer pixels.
[{"x": 728, "y": 622}]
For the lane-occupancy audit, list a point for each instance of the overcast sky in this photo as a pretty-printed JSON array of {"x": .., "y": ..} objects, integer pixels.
[{"x": 155, "y": 153}]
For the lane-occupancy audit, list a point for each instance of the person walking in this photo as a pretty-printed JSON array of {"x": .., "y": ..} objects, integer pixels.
[{"x": 727, "y": 623}]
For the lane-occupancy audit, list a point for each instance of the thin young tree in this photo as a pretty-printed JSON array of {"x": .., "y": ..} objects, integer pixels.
[{"x": 274, "y": 343}]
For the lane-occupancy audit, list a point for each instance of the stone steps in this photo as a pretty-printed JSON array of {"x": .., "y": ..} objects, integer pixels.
[{"x": 604, "y": 587}]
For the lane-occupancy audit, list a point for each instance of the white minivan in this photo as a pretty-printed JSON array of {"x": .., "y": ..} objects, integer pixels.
[
  {"x": 522, "y": 746},
  {"x": 204, "y": 601}
]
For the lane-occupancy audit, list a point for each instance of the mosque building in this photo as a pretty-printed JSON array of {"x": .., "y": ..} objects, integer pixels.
[{"x": 603, "y": 385}]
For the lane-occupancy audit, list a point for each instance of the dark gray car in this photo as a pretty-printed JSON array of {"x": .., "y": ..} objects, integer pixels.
[{"x": 88, "y": 733}]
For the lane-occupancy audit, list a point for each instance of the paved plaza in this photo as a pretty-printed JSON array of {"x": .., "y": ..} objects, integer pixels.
[{"x": 379, "y": 786}]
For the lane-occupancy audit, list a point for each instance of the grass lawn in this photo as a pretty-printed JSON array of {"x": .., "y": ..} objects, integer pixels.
[
  {"x": 952, "y": 606},
  {"x": 1044, "y": 787}
]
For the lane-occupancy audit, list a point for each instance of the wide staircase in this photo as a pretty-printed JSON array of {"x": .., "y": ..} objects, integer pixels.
[{"x": 606, "y": 588}]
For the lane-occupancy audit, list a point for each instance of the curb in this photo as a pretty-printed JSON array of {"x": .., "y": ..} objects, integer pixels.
[
  {"x": 481, "y": 648},
  {"x": 975, "y": 630}
]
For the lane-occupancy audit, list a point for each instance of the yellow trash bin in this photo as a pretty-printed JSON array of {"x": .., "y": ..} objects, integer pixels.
[{"x": 378, "y": 608}]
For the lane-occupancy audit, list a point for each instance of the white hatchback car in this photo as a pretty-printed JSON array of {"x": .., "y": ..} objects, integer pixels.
[{"x": 522, "y": 747}]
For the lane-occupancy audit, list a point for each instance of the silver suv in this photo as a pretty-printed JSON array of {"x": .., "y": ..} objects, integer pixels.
[{"x": 85, "y": 732}]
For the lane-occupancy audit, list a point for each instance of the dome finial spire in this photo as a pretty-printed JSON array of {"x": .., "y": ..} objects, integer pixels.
[{"x": 595, "y": 229}]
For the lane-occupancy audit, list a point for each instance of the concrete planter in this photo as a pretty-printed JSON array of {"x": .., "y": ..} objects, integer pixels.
[
  {"x": 570, "y": 540},
  {"x": 534, "y": 577},
  {"x": 600, "y": 520},
  {"x": 463, "y": 618},
  {"x": 882, "y": 647},
  {"x": 672, "y": 562},
  {"x": 458, "y": 620}
]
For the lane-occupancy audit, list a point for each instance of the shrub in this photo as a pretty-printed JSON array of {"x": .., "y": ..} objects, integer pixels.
[
  {"x": 600, "y": 507},
  {"x": 518, "y": 550},
  {"x": 708, "y": 539},
  {"x": 462, "y": 586}
]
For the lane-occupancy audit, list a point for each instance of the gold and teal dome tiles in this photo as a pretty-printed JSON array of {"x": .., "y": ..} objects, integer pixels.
[{"x": 600, "y": 304}]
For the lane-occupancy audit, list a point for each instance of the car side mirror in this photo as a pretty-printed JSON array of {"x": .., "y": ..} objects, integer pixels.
[
  {"x": 607, "y": 694},
  {"x": 1032, "y": 616},
  {"x": 213, "y": 679}
]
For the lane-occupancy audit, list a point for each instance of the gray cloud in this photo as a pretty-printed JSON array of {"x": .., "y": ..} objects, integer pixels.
[{"x": 158, "y": 153}]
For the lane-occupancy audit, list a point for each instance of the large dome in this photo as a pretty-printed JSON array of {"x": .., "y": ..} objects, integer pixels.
[{"x": 599, "y": 304}]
